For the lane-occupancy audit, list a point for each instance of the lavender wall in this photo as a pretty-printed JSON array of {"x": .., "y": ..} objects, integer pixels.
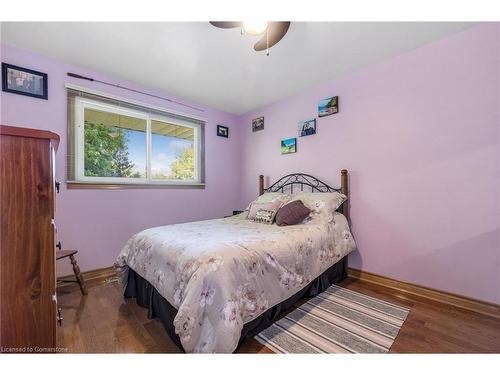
[
  {"x": 420, "y": 136},
  {"x": 419, "y": 133},
  {"x": 98, "y": 222}
]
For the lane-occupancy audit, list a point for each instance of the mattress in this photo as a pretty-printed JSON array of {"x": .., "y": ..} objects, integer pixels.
[{"x": 221, "y": 274}]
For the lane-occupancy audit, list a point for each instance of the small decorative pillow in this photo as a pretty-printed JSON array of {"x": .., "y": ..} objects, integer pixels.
[
  {"x": 322, "y": 205},
  {"x": 273, "y": 206},
  {"x": 264, "y": 216},
  {"x": 292, "y": 213}
]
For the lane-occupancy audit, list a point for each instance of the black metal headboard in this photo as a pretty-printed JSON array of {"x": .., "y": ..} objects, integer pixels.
[
  {"x": 300, "y": 180},
  {"x": 305, "y": 180}
]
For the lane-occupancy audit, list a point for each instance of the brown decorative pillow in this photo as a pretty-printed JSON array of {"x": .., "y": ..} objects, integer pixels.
[{"x": 292, "y": 213}]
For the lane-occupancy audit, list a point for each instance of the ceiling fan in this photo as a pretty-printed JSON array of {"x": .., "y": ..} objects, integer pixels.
[{"x": 272, "y": 32}]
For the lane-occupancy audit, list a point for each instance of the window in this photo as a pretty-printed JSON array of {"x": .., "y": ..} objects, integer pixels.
[{"x": 116, "y": 143}]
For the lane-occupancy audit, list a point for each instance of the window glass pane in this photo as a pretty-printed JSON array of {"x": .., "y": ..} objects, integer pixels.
[
  {"x": 114, "y": 145},
  {"x": 172, "y": 151}
]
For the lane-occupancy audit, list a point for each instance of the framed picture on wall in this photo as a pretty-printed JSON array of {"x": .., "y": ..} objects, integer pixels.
[
  {"x": 23, "y": 81},
  {"x": 257, "y": 124},
  {"x": 222, "y": 131},
  {"x": 289, "y": 146},
  {"x": 328, "y": 106},
  {"x": 307, "y": 127}
]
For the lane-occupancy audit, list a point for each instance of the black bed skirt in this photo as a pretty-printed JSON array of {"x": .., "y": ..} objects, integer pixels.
[{"x": 158, "y": 307}]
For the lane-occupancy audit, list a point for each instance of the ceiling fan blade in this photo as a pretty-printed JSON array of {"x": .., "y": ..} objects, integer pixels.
[
  {"x": 226, "y": 24},
  {"x": 277, "y": 31}
]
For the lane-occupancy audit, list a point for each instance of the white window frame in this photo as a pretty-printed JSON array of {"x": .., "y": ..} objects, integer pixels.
[{"x": 82, "y": 103}]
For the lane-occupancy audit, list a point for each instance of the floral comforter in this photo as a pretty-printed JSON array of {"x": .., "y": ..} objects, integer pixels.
[{"x": 220, "y": 274}]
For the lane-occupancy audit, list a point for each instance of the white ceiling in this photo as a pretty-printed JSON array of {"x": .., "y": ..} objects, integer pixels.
[{"x": 219, "y": 68}]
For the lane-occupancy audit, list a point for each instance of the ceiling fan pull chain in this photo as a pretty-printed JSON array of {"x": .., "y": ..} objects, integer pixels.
[{"x": 267, "y": 41}]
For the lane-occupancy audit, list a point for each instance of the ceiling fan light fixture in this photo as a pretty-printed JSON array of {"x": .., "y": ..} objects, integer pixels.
[{"x": 254, "y": 27}]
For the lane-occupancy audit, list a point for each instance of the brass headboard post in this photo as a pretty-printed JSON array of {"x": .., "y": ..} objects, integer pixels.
[
  {"x": 344, "y": 189},
  {"x": 261, "y": 184}
]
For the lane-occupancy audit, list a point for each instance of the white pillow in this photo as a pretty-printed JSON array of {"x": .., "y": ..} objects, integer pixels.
[
  {"x": 322, "y": 205},
  {"x": 270, "y": 197}
]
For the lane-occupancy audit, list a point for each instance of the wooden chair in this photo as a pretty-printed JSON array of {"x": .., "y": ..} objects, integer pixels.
[{"x": 79, "y": 278}]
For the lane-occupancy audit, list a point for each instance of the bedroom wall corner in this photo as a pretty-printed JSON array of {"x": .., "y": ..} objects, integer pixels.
[{"x": 420, "y": 136}]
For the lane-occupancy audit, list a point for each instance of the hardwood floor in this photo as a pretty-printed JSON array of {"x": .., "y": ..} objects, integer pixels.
[{"x": 104, "y": 322}]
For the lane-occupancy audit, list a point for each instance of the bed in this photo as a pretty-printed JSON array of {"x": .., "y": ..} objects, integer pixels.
[{"x": 214, "y": 283}]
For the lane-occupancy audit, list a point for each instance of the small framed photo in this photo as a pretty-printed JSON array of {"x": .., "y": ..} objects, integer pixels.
[
  {"x": 22, "y": 81},
  {"x": 328, "y": 106},
  {"x": 222, "y": 131},
  {"x": 258, "y": 124},
  {"x": 307, "y": 127},
  {"x": 289, "y": 146}
]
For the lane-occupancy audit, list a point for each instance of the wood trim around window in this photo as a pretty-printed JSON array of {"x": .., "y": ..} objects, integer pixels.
[
  {"x": 72, "y": 180},
  {"x": 103, "y": 186}
]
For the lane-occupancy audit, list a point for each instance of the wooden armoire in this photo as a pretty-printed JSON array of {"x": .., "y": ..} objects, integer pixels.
[{"x": 27, "y": 247}]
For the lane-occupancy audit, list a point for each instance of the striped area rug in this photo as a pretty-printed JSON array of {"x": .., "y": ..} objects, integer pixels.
[{"x": 338, "y": 320}]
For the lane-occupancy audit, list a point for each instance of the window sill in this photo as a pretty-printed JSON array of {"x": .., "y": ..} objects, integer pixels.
[{"x": 111, "y": 186}]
